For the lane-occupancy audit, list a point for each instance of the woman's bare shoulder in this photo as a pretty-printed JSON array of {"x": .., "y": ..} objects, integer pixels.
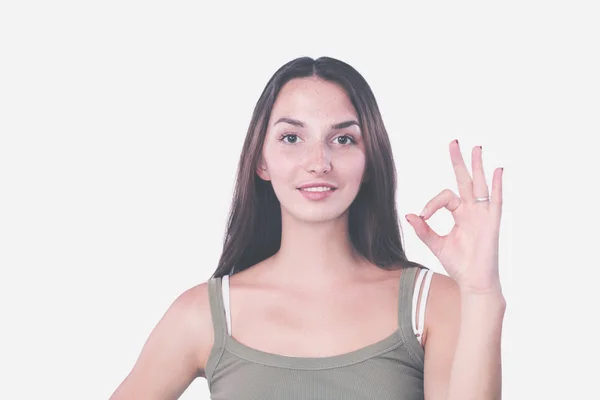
[
  {"x": 176, "y": 350},
  {"x": 443, "y": 305},
  {"x": 196, "y": 305}
]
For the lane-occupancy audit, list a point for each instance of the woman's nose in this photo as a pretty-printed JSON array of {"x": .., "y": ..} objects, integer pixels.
[{"x": 319, "y": 159}]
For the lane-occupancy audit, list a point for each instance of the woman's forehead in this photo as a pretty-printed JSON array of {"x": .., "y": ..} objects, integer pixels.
[{"x": 312, "y": 98}]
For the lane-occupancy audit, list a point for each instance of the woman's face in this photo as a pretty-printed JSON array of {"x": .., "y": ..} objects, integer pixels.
[{"x": 313, "y": 138}]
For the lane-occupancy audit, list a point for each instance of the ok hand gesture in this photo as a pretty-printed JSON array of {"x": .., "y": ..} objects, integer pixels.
[{"x": 469, "y": 253}]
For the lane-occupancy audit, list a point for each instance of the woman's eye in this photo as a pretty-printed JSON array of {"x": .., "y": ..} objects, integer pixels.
[
  {"x": 290, "y": 138},
  {"x": 345, "y": 139}
]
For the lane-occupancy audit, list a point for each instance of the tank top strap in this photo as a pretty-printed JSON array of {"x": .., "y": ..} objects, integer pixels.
[
  {"x": 405, "y": 299},
  {"x": 217, "y": 311}
]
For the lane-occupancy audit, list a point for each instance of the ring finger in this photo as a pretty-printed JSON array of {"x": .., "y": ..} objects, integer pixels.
[{"x": 480, "y": 187}]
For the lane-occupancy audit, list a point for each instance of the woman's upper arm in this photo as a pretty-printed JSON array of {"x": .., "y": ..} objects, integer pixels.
[
  {"x": 442, "y": 320},
  {"x": 174, "y": 353}
]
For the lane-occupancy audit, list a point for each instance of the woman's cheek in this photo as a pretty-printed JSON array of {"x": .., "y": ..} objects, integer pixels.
[
  {"x": 280, "y": 166},
  {"x": 352, "y": 163}
]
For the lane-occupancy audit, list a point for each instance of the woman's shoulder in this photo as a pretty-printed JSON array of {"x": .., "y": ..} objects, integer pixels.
[
  {"x": 174, "y": 353},
  {"x": 443, "y": 304},
  {"x": 194, "y": 308},
  {"x": 443, "y": 286},
  {"x": 189, "y": 316}
]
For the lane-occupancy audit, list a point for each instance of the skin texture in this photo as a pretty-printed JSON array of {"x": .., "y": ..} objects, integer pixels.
[
  {"x": 469, "y": 253},
  {"x": 348, "y": 303},
  {"x": 319, "y": 153},
  {"x": 313, "y": 152}
]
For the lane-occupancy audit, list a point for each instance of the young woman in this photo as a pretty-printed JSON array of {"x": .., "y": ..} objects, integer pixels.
[{"x": 313, "y": 297}]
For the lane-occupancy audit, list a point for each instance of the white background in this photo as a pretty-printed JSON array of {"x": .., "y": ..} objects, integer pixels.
[{"x": 121, "y": 124}]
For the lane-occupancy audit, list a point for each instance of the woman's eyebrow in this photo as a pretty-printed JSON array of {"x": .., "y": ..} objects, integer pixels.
[
  {"x": 345, "y": 124},
  {"x": 300, "y": 124},
  {"x": 290, "y": 121}
]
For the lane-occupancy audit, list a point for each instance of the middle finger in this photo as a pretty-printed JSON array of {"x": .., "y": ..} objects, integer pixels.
[{"x": 463, "y": 178}]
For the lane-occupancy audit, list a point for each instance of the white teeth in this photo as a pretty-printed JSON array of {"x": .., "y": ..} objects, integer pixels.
[{"x": 317, "y": 189}]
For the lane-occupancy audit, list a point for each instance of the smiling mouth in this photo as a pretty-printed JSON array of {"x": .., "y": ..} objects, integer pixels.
[{"x": 317, "y": 189}]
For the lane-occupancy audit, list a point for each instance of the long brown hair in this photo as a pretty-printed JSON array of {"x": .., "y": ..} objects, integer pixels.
[{"x": 254, "y": 227}]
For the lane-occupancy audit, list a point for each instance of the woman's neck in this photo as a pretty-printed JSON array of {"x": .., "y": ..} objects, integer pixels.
[{"x": 315, "y": 254}]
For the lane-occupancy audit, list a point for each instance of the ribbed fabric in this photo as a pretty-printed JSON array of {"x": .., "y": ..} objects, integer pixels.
[{"x": 389, "y": 369}]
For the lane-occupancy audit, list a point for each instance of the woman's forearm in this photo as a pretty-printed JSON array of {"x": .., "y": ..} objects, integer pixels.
[{"x": 476, "y": 369}]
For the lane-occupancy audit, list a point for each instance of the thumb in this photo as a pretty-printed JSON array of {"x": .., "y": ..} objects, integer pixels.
[{"x": 431, "y": 239}]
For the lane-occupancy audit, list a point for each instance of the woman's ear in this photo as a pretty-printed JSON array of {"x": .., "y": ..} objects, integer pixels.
[{"x": 261, "y": 170}]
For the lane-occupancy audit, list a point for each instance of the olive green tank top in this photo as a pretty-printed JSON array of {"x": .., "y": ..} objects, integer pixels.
[{"x": 389, "y": 369}]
